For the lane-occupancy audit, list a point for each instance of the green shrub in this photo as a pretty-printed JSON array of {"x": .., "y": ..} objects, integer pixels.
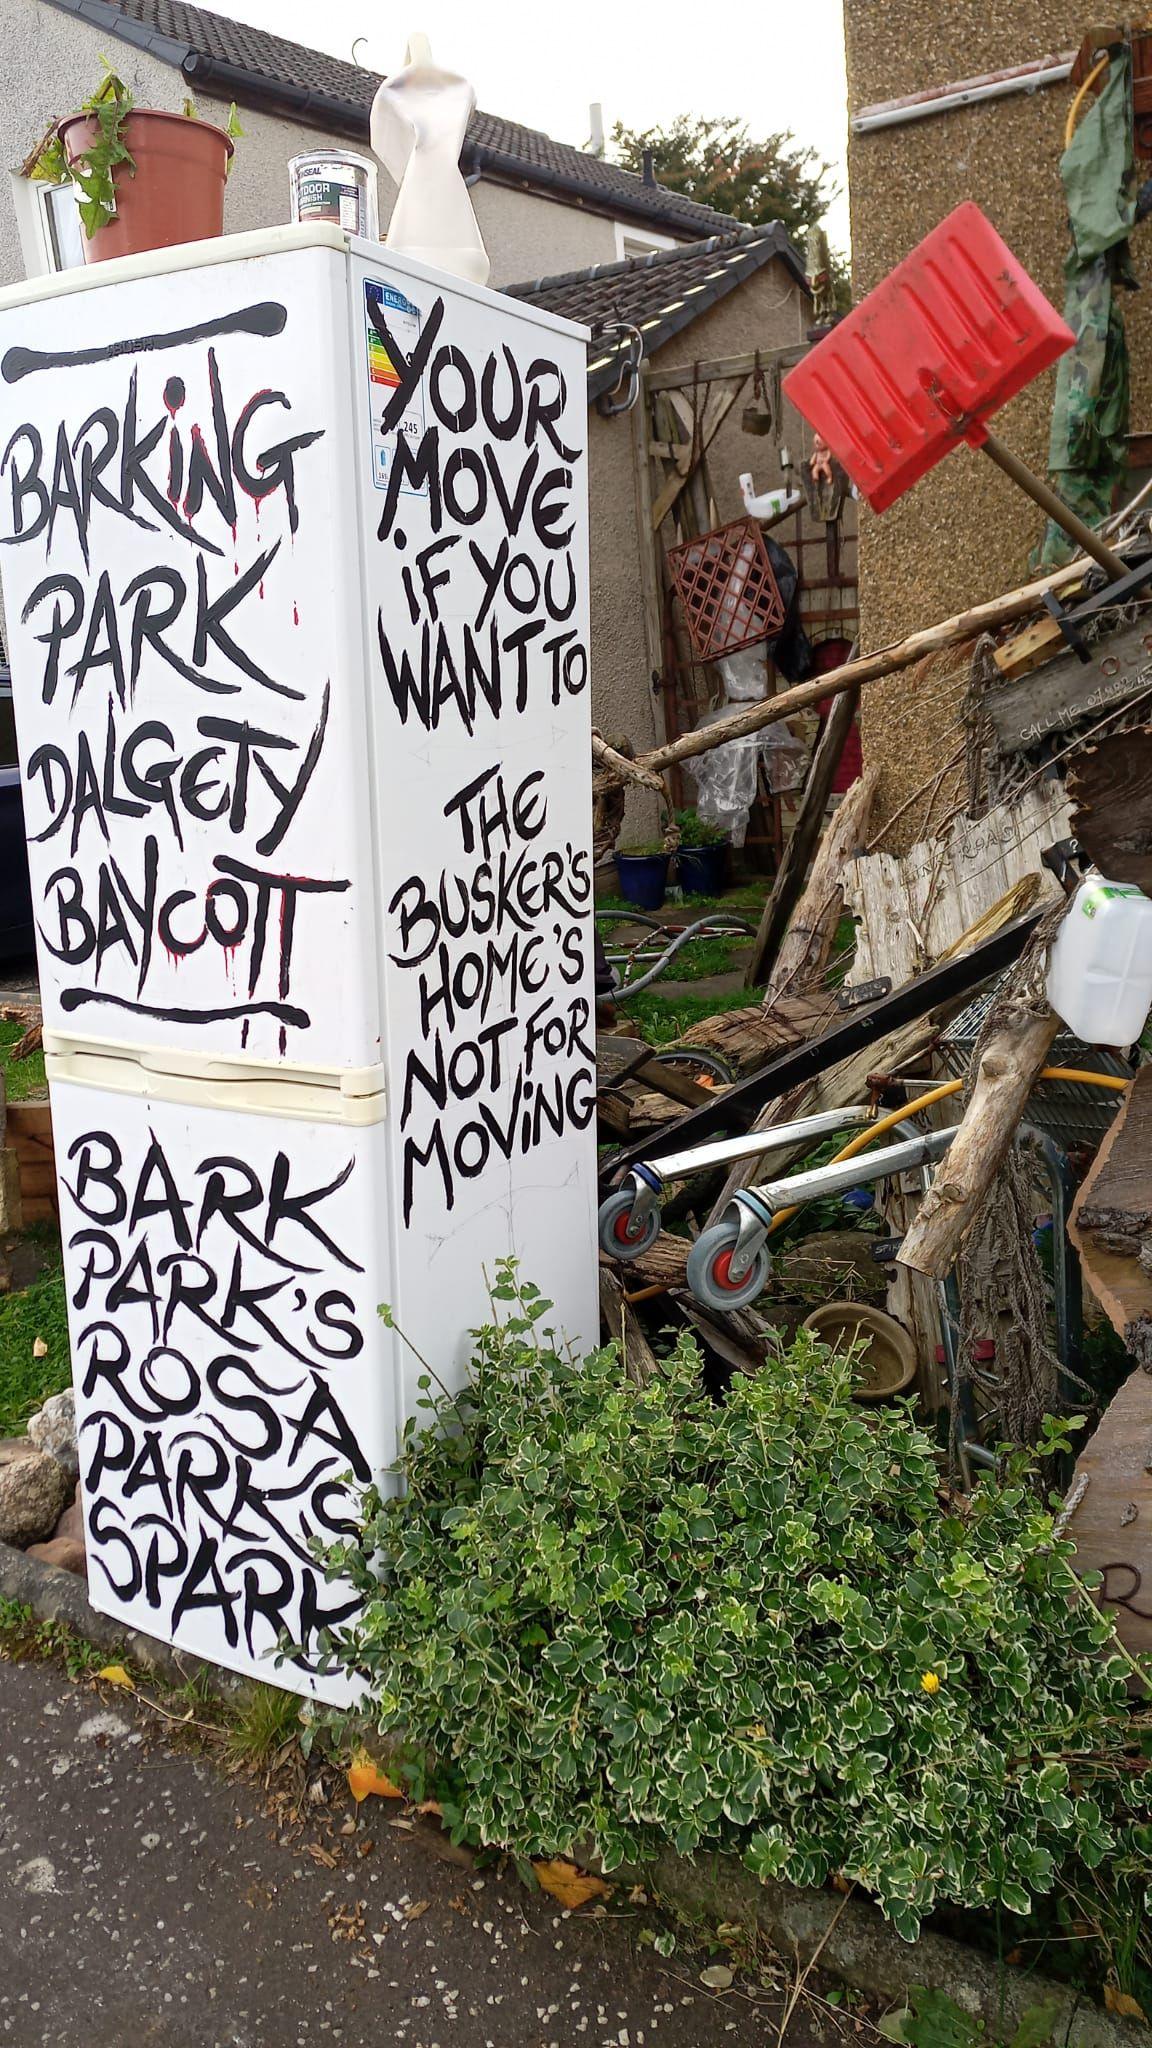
[
  {"x": 698, "y": 831},
  {"x": 630, "y": 1616}
]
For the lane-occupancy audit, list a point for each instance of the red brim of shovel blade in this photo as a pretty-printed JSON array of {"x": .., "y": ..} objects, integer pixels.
[{"x": 948, "y": 337}]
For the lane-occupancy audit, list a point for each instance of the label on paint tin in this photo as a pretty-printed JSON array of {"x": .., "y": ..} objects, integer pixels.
[
  {"x": 400, "y": 321},
  {"x": 332, "y": 199}
]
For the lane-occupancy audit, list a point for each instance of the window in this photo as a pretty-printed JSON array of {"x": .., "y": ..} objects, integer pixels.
[
  {"x": 639, "y": 242},
  {"x": 49, "y": 225}
]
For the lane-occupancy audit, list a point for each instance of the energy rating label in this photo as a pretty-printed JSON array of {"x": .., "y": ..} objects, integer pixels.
[{"x": 392, "y": 326}]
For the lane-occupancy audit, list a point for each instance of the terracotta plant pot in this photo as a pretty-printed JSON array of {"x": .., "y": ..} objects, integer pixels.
[
  {"x": 177, "y": 192},
  {"x": 887, "y": 1365}
]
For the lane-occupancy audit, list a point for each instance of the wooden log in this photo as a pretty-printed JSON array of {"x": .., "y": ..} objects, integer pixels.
[
  {"x": 747, "y": 1038},
  {"x": 626, "y": 770},
  {"x": 1016, "y": 1045},
  {"x": 807, "y": 944},
  {"x": 802, "y": 843},
  {"x": 621, "y": 1326},
  {"x": 1110, "y": 785},
  {"x": 1111, "y": 1221},
  {"x": 868, "y": 668}
]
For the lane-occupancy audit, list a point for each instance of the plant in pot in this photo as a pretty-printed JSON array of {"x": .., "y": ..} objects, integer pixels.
[
  {"x": 702, "y": 860},
  {"x": 642, "y": 872},
  {"x": 145, "y": 178}
]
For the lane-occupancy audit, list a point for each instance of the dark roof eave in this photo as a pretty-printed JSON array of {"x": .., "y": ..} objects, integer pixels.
[
  {"x": 743, "y": 264},
  {"x": 478, "y": 156},
  {"x": 352, "y": 118}
]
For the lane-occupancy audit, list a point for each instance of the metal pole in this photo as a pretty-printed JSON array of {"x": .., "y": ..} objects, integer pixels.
[{"x": 1043, "y": 495}]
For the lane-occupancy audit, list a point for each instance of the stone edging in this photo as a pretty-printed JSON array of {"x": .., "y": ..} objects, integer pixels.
[{"x": 861, "y": 1950}]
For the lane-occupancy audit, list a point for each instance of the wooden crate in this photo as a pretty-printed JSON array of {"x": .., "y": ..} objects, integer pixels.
[{"x": 29, "y": 1132}]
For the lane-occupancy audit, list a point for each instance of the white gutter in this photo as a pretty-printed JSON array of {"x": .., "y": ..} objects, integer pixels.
[{"x": 944, "y": 99}]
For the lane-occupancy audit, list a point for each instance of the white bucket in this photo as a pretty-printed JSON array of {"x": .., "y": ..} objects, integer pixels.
[{"x": 338, "y": 186}]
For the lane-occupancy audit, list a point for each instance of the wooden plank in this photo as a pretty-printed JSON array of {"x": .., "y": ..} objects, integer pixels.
[
  {"x": 1110, "y": 785},
  {"x": 683, "y": 377},
  {"x": 645, "y": 535},
  {"x": 1111, "y": 1221},
  {"x": 802, "y": 840},
  {"x": 1056, "y": 697},
  {"x": 622, "y": 1326},
  {"x": 914, "y": 909},
  {"x": 29, "y": 1133},
  {"x": 1111, "y": 1524},
  {"x": 688, "y": 471}
]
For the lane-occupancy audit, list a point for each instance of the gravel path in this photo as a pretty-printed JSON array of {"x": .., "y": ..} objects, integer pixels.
[{"x": 146, "y": 1897}]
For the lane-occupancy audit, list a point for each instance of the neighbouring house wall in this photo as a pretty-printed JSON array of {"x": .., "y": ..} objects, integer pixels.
[
  {"x": 528, "y": 237},
  {"x": 50, "y": 62},
  {"x": 965, "y": 532}
]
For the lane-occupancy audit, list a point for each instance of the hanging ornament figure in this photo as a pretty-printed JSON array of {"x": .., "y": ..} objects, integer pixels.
[{"x": 419, "y": 120}]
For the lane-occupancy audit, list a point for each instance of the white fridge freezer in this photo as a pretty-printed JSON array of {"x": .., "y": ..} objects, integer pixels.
[{"x": 293, "y": 540}]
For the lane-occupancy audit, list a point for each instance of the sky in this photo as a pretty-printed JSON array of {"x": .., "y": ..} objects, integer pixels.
[{"x": 781, "y": 66}]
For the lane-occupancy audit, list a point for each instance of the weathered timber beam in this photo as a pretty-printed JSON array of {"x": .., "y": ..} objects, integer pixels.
[{"x": 1017, "y": 1044}]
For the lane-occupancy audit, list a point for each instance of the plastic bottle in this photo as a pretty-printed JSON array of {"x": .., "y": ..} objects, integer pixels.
[{"x": 1100, "y": 966}]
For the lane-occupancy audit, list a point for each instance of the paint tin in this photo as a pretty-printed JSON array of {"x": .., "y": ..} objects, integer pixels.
[{"x": 338, "y": 186}]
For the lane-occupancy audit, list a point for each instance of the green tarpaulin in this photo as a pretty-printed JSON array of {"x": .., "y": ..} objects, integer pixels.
[{"x": 1087, "y": 449}]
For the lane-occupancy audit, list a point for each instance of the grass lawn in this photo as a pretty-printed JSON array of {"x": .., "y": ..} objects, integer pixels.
[
  {"x": 35, "y": 1312},
  {"x": 23, "y": 1079}
]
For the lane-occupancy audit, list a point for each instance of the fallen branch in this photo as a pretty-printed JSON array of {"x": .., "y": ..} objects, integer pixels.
[
  {"x": 626, "y": 770},
  {"x": 1013, "y": 1047}
]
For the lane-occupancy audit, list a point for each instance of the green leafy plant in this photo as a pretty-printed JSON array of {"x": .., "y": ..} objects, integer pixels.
[
  {"x": 932, "y": 2019},
  {"x": 93, "y": 170},
  {"x": 630, "y": 1616},
  {"x": 698, "y": 831}
]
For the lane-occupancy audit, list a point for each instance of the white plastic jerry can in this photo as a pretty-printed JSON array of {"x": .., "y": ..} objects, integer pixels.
[{"x": 1100, "y": 966}]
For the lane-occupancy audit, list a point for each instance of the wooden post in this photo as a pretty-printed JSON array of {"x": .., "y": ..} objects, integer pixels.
[
  {"x": 646, "y": 541},
  {"x": 807, "y": 943},
  {"x": 802, "y": 844},
  {"x": 1019, "y": 1038},
  {"x": 622, "y": 1326}
]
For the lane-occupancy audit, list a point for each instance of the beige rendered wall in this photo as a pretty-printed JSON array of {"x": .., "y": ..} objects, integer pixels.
[
  {"x": 528, "y": 237},
  {"x": 965, "y": 532},
  {"x": 50, "y": 61}
]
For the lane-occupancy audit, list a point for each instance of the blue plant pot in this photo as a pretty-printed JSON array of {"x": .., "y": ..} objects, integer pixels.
[
  {"x": 643, "y": 878},
  {"x": 702, "y": 870}
]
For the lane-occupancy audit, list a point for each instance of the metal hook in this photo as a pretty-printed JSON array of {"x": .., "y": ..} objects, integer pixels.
[{"x": 626, "y": 390}]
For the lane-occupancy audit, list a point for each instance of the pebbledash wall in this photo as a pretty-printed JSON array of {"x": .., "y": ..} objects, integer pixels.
[{"x": 965, "y": 532}]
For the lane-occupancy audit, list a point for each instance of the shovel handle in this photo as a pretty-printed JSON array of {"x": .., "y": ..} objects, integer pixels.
[{"x": 1043, "y": 495}]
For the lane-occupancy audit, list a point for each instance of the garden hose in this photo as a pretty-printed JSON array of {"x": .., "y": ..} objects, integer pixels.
[
  {"x": 1070, "y": 124},
  {"x": 946, "y": 1088},
  {"x": 887, "y": 1123}
]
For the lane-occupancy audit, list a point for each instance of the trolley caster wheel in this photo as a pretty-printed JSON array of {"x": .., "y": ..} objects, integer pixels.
[
  {"x": 618, "y": 1237},
  {"x": 708, "y": 1273}
]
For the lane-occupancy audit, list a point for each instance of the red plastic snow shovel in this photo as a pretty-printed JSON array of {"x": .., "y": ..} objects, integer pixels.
[{"x": 923, "y": 362}]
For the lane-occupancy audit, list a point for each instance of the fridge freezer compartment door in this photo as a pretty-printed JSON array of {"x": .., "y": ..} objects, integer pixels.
[{"x": 341, "y": 1095}]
